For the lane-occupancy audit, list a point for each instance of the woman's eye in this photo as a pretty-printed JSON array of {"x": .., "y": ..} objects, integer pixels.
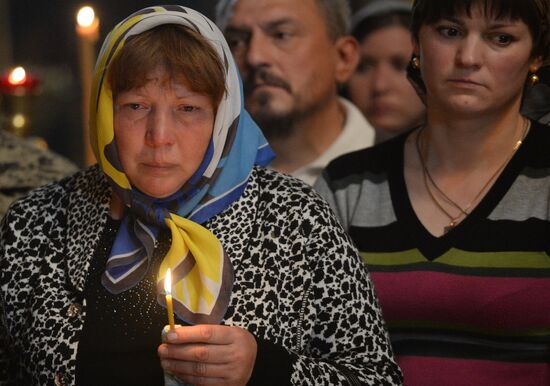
[
  {"x": 188, "y": 109},
  {"x": 503, "y": 39},
  {"x": 399, "y": 64},
  {"x": 134, "y": 106},
  {"x": 449, "y": 32},
  {"x": 364, "y": 66}
]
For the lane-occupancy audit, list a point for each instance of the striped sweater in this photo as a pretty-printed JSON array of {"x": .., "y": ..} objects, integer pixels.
[{"x": 471, "y": 307}]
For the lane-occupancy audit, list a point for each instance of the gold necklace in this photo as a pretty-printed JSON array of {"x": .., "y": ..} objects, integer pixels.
[{"x": 466, "y": 210}]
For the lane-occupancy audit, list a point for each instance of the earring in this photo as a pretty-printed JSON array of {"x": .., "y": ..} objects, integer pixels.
[
  {"x": 533, "y": 80},
  {"x": 415, "y": 62}
]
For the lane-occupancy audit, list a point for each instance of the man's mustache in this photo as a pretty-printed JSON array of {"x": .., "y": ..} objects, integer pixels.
[{"x": 263, "y": 77}]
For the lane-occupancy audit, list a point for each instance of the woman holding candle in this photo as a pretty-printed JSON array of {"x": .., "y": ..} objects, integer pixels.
[
  {"x": 452, "y": 217},
  {"x": 268, "y": 287}
]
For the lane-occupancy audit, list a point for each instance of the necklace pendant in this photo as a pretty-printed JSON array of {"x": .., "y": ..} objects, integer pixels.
[{"x": 451, "y": 225}]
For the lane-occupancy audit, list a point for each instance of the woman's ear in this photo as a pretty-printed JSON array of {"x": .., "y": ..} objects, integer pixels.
[
  {"x": 347, "y": 51},
  {"x": 536, "y": 63}
]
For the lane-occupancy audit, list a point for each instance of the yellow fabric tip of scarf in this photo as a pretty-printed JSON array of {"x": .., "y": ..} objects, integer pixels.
[
  {"x": 193, "y": 288},
  {"x": 204, "y": 246},
  {"x": 198, "y": 289}
]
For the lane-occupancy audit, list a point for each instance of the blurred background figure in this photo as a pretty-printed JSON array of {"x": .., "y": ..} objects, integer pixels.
[
  {"x": 536, "y": 103},
  {"x": 24, "y": 166},
  {"x": 292, "y": 56},
  {"x": 379, "y": 86}
]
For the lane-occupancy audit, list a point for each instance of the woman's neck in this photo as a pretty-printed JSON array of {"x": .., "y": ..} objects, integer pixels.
[
  {"x": 116, "y": 209},
  {"x": 458, "y": 144}
]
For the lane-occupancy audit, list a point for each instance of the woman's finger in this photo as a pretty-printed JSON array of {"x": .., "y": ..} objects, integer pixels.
[
  {"x": 196, "y": 369},
  {"x": 207, "y": 353},
  {"x": 201, "y": 333}
]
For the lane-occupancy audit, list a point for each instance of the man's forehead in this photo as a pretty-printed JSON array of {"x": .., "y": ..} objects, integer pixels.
[{"x": 248, "y": 12}]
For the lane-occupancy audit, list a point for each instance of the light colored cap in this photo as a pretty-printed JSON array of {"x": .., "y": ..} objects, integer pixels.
[{"x": 379, "y": 7}]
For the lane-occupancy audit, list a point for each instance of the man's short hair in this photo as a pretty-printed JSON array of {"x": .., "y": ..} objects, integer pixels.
[{"x": 337, "y": 15}]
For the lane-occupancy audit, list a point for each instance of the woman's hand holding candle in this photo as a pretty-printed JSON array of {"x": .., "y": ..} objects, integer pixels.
[{"x": 209, "y": 354}]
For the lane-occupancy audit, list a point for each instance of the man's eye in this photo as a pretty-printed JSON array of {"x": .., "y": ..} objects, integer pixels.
[
  {"x": 134, "y": 106},
  {"x": 237, "y": 39},
  {"x": 235, "y": 43},
  {"x": 281, "y": 35}
]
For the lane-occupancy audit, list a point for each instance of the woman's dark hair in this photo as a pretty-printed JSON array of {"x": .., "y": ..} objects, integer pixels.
[
  {"x": 180, "y": 51},
  {"x": 534, "y": 13},
  {"x": 379, "y": 21}
]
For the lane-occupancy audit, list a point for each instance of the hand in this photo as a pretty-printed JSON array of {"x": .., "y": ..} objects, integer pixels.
[{"x": 209, "y": 354}]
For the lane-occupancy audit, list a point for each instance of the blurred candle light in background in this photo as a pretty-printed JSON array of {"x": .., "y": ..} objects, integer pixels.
[
  {"x": 17, "y": 76},
  {"x": 85, "y": 18},
  {"x": 87, "y": 31},
  {"x": 17, "y": 87}
]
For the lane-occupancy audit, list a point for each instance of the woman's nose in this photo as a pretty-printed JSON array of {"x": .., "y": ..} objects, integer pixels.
[
  {"x": 160, "y": 128},
  {"x": 469, "y": 53}
]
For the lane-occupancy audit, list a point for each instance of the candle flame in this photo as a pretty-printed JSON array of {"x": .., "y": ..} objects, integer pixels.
[
  {"x": 17, "y": 76},
  {"x": 168, "y": 282},
  {"x": 85, "y": 17}
]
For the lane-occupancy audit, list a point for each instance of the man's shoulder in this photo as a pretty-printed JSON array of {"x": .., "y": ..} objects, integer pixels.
[
  {"x": 376, "y": 159},
  {"x": 357, "y": 132}
]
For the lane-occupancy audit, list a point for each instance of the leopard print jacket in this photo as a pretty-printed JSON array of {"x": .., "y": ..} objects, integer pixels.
[{"x": 299, "y": 282}]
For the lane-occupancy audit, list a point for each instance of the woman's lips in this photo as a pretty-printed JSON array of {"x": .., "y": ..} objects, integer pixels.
[
  {"x": 465, "y": 83},
  {"x": 158, "y": 167}
]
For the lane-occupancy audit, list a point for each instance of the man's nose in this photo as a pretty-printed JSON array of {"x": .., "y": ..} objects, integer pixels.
[{"x": 259, "y": 51}]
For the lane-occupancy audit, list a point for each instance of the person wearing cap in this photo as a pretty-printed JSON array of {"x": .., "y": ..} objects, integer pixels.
[{"x": 379, "y": 85}]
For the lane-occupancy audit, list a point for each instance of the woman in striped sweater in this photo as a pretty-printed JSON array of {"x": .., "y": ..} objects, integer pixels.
[{"x": 453, "y": 217}]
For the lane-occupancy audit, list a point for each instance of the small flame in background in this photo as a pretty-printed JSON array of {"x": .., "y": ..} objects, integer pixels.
[
  {"x": 17, "y": 76},
  {"x": 85, "y": 16}
]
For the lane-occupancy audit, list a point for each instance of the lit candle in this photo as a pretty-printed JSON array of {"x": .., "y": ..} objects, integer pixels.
[
  {"x": 87, "y": 24},
  {"x": 87, "y": 30},
  {"x": 17, "y": 88},
  {"x": 17, "y": 76},
  {"x": 18, "y": 82},
  {"x": 169, "y": 305}
]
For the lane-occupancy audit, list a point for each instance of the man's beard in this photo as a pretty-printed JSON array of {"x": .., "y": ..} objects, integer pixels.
[{"x": 276, "y": 125}]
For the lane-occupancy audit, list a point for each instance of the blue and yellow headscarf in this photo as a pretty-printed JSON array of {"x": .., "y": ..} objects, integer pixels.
[{"x": 202, "y": 275}]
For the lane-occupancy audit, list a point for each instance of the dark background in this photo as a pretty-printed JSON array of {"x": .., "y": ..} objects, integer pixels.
[{"x": 40, "y": 35}]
